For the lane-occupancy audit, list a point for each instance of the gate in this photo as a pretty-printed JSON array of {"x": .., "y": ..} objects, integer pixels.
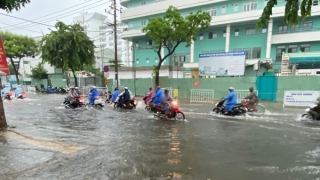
[
  {"x": 202, "y": 95},
  {"x": 267, "y": 87},
  {"x": 243, "y": 93}
]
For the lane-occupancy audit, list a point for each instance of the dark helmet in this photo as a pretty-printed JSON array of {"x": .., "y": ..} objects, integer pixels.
[
  {"x": 251, "y": 89},
  {"x": 166, "y": 90},
  {"x": 150, "y": 88},
  {"x": 115, "y": 89}
]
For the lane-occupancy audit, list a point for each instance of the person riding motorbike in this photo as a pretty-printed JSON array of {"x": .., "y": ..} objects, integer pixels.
[
  {"x": 125, "y": 96},
  {"x": 165, "y": 103},
  {"x": 72, "y": 95},
  {"x": 315, "y": 111},
  {"x": 77, "y": 90},
  {"x": 94, "y": 94},
  {"x": 18, "y": 91},
  {"x": 114, "y": 96},
  {"x": 232, "y": 100},
  {"x": 5, "y": 91},
  {"x": 157, "y": 98},
  {"x": 253, "y": 99},
  {"x": 148, "y": 97}
]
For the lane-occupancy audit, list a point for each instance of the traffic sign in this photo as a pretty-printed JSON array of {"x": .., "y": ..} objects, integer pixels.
[{"x": 106, "y": 80}]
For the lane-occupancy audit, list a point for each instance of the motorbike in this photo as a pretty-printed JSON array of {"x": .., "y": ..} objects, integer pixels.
[
  {"x": 22, "y": 95},
  {"x": 309, "y": 116},
  {"x": 50, "y": 89},
  {"x": 237, "y": 110},
  {"x": 108, "y": 97},
  {"x": 129, "y": 105},
  {"x": 98, "y": 102},
  {"x": 9, "y": 95},
  {"x": 175, "y": 114},
  {"x": 79, "y": 103},
  {"x": 62, "y": 90}
]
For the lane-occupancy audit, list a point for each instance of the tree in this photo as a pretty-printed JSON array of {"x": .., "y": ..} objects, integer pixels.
[
  {"x": 68, "y": 47},
  {"x": 18, "y": 47},
  {"x": 291, "y": 14},
  {"x": 11, "y": 69},
  {"x": 92, "y": 69},
  {"x": 38, "y": 72},
  {"x": 112, "y": 63},
  {"x": 170, "y": 30},
  {"x": 10, "y": 5}
]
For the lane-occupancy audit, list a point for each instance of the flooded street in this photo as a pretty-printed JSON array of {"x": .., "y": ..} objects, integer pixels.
[{"x": 51, "y": 142}]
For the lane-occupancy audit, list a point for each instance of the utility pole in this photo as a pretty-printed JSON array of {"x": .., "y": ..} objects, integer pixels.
[
  {"x": 115, "y": 41},
  {"x": 134, "y": 72}
]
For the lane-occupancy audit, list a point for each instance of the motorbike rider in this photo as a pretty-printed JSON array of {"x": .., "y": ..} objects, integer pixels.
[
  {"x": 232, "y": 100},
  {"x": 18, "y": 91},
  {"x": 165, "y": 103},
  {"x": 77, "y": 90},
  {"x": 115, "y": 95},
  {"x": 157, "y": 98},
  {"x": 148, "y": 97},
  {"x": 125, "y": 96},
  {"x": 5, "y": 91},
  {"x": 72, "y": 95},
  {"x": 94, "y": 94},
  {"x": 315, "y": 111},
  {"x": 253, "y": 99}
]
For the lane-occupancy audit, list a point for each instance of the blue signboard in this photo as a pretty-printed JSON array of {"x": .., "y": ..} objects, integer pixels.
[{"x": 310, "y": 59}]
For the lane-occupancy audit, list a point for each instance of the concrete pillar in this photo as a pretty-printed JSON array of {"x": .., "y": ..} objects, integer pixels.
[
  {"x": 192, "y": 51},
  {"x": 227, "y": 38},
  {"x": 127, "y": 53},
  {"x": 269, "y": 35}
]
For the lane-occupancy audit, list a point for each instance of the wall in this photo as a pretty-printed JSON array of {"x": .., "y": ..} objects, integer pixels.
[{"x": 145, "y": 74}]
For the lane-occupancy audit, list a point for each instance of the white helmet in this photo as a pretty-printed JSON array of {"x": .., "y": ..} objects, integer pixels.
[
  {"x": 126, "y": 88},
  {"x": 94, "y": 87},
  {"x": 231, "y": 88}
]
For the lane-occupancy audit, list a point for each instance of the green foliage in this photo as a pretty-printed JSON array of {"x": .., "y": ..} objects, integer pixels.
[
  {"x": 38, "y": 71},
  {"x": 9, "y": 5},
  {"x": 112, "y": 63},
  {"x": 11, "y": 69},
  {"x": 17, "y": 47},
  {"x": 92, "y": 69},
  {"x": 170, "y": 30},
  {"x": 291, "y": 15},
  {"x": 68, "y": 47}
]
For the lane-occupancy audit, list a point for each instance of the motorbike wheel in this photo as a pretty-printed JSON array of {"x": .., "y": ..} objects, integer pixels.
[
  {"x": 179, "y": 116},
  {"x": 148, "y": 108},
  {"x": 115, "y": 105},
  {"x": 307, "y": 116},
  {"x": 261, "y": 109},
  {"x": 216, "y": 110}
]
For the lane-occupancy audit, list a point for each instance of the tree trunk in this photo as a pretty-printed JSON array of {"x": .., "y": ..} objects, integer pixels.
[
  {"x": 3, "y": 121},
  {"x": 15, "y": 71},
  {"x": 75, "y": 78},
  {"x": 157, "y": 80}
]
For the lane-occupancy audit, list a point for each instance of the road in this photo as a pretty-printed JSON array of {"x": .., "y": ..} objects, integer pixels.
[{"x": 51, "y": 142}]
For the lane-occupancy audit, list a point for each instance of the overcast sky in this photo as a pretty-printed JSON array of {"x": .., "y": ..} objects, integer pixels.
[{"x": 47, "y": 12}]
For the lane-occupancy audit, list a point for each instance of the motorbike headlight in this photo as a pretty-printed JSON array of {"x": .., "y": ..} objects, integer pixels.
[
  {"x": 307, "y": 110},
  {"x": 217, "y": 104},
  {"x": 174, "y": 103}
]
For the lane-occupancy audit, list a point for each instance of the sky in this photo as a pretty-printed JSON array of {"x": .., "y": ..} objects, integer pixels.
[{"x": 43, "y": 14}]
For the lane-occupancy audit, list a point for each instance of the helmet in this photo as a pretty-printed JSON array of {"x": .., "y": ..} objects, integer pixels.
[
  {"x": 166, "y": 90},
  {"x": 251, "y": 89},
  {"x": 231, "y": 89},
  {"x": 94, "y": 87},
  {"x": 158, "y": 87},
  {"x": 77, "y": 88},
  {"x": 116, "y": 88},
  {"x": 126, "y": 88},
  {"x": 72, "y": 87}
]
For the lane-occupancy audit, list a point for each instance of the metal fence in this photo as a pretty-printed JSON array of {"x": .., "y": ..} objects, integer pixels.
[
  {"x": 243, "y": 93},
  {"x": 85, "y": 91},
  {"x": 202, "y": 95},
  {"x": 29, "y": 88}
]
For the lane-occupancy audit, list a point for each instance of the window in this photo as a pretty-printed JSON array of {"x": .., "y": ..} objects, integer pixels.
[
  {"x": 236, "y": 32},
  {"x": 102, "y": 34},
  {"x": 102, "y": 27},
  {"x": 264, "y": 29},
  {"x": 280, "y": 50},
  {"x": 235, "y": 7},
  {"x": 256, "y": 53},
  {"x": 103, "y": 39},
  {"x": 187, "y": 58},
  {"x": 103, "y": 45},
  {"x": 248, "y": 52},
  {"x": 143, "y": 3},
  {"x": 130, "y": 25},
  {"x": 137, "y": 61},
  {"x": 307, "y": 25},
  {"x": 315, "y": 2},
  {"x": 212, "y": 12},
  {"x": 223, "y": 9},
  {"x": 221, "y": 51},
  {"x": 143, "y": 23},
  {"x": 147, "y": 60},
  {"x": 205, "y": 52},
  {"x": 156, "y": 60},
  {"x": 292, "y": 48},
  {"x": 250, "y": 31},
  {"x": 305, "y": 48},
  {"x": 182, "y": 58},
  {"x": 294, "y": 28},
  {"x": 237, "y": 50},
  {"x": 213, "y": 51},
  {"x": 149, "y": 43},
  {"x": 250, "y": 6},
  {"x": 224, "y": 33},
  {"x": 283, "y": 29},
  {"x": 201, "y": 36},
  {"x": 212, "y": 35}
]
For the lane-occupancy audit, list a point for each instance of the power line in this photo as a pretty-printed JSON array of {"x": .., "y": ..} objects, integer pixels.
[
  {"x": 26, "y": 20},
  {"x": 49, "y": 14},
  {"x": 23, "y": 28},
  {"x": 55, "y": 18}
]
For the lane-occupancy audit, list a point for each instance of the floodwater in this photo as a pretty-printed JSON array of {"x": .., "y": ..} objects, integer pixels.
[{"x": 133, "y": 145}]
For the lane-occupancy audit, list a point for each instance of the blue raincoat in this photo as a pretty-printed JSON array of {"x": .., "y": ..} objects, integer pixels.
[
  {"x": 158, "y": 97},
  {"x": 4, "y": 91},
  {"x": 93, "y": 95},
  {"x": 18, "y": 91},
  {"x": 232, "y": 100},
  {"x": 115, "y": 95}
]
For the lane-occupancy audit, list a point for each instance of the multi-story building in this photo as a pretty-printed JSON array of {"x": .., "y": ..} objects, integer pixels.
[{"x": 233, "y": 28}]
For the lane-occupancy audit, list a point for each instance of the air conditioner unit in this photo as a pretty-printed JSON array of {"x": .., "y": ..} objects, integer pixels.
[{"x": 256, "y": 67}]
